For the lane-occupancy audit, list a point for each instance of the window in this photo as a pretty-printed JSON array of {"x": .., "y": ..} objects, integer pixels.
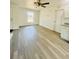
[{"x": 30, "y": 17}]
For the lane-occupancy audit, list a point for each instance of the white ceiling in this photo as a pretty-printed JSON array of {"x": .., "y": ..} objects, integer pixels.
[
  {"x": 25, "y": 3},
  {"x": 30, "y": 3}
]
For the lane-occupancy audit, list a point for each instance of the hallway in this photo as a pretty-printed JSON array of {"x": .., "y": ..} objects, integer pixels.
[{"x": 36, "y": 42}]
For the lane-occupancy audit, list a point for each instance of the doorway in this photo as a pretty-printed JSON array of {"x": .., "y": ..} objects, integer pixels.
[
  {"x": 30, "y": 17},
  {"x": 59, "y": 16}
]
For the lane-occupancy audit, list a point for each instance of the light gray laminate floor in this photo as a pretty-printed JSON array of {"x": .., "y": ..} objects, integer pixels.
[{"x": 36, "y": 42}]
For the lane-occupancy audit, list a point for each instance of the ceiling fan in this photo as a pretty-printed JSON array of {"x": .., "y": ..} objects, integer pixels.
[{"x": 38, "y": 3}]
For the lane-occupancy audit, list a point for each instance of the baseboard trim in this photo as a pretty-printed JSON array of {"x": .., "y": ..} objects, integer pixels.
[
  {"x": 65, "y": 40},
  {"x": 27, "y": 25},
  {"x": 11, "y": 30}
]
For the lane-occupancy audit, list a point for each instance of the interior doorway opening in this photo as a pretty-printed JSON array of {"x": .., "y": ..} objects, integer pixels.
[{"x": 30, "y": 17}]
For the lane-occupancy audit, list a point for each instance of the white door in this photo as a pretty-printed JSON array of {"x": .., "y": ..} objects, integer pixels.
[{"x": 59, "y": 18}]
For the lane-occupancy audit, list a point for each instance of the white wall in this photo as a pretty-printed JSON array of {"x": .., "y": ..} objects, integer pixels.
[
  {"x": 47, "y": 15},
  {"x": 64, "y": 4},
  {"x": 47, "y": 18},
  {"x": 19, "y": 16}
]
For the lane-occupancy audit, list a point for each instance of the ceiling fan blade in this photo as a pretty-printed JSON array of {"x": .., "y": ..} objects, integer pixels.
[
  {"x": 39, "y": 1},
  {"x": 44, "y": 3},
  {"x": 43, "y": 6}
]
